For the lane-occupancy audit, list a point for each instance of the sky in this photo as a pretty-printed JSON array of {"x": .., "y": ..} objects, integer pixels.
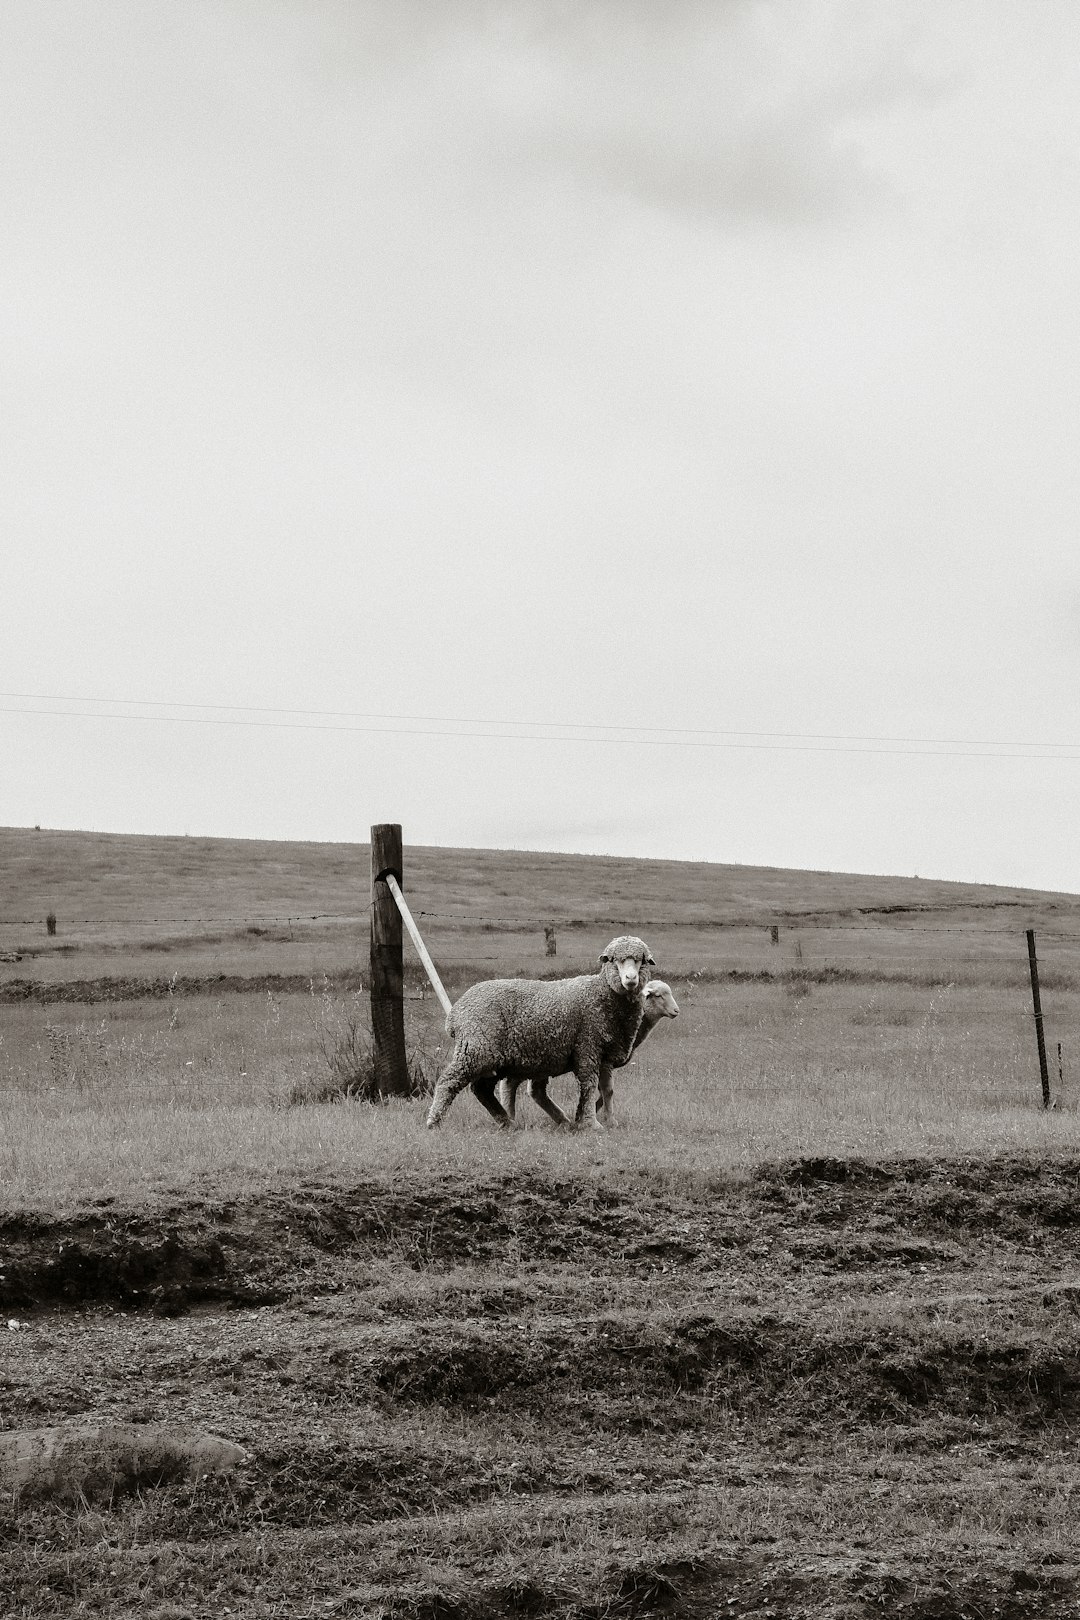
[{"x": 626, "y": 426}]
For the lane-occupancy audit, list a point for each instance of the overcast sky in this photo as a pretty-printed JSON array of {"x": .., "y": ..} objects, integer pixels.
[{"x": 706, "y": 370}]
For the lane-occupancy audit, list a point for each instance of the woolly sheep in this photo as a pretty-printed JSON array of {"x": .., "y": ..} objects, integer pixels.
[
  {"x": 521, "y": 1028},
  {"x": 658, "y": 1003}
]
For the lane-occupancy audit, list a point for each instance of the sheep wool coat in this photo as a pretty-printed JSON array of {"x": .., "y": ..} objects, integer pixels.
[{"x": 522, "y": 1027}]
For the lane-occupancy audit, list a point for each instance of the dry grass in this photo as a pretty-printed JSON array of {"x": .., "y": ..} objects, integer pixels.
[
  {"x": 132, "y": 1097},
  {"x": 893, "y": 1016}
]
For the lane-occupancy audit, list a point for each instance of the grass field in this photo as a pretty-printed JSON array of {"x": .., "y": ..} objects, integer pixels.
[{"x": 799, "y": 1336}]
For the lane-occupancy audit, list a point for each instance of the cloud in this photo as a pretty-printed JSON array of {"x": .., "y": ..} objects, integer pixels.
[
  {"x": 727, "y": 111},
  {"x": 709, "y": 110}
]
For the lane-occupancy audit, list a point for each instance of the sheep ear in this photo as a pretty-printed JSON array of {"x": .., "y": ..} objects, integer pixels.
[
  {"x": 605, "y": 956},
  {"x": 650, "y": 961}
]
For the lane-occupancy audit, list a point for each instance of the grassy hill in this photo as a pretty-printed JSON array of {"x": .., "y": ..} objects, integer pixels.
[
  {"x": 127, "y": 905},
  {"x": 798, "y": 1336},
  {"x": 129, "y": 878}
]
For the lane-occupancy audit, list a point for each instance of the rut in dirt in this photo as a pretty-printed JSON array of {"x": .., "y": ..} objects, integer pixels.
[{"x": 817, "y": 1213}]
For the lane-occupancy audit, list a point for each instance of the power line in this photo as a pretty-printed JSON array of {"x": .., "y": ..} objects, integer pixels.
[
  {"x": 591, "y": 733},
  {"x": 562, "y": 725}
]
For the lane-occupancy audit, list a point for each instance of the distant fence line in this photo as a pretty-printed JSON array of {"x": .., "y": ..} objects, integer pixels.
[
  {"x": 278, "y": 920},
  {"x": 790, "y": 925}
]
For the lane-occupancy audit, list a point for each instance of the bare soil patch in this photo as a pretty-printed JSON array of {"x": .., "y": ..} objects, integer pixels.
[{"x": 833, "y": 1388}]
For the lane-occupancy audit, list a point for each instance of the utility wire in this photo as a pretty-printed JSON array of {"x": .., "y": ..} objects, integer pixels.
[{"x": 593, "y": 732}]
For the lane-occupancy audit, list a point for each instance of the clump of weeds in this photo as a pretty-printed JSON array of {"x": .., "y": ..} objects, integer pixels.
[{"x": 343, "y": 1039}]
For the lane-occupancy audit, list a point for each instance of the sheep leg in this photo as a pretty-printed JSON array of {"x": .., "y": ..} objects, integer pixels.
[
  {"x": 508, "y": 1090},
  {"x": 484, "y": 1091},
  {"x": 454, "y": 1078},
  {"x": 539, "y": 1093},
  {"x": 585, "y": 1113},
  {"x": 538, "y": 1084},
  {"x": 603, "y": 1101}
]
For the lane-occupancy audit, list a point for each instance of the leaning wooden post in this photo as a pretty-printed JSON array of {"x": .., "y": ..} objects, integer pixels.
[
  {"x": 387, "y": 966},
  {"x": 421, "y": 949},
  {"x": 1037, "y": 1004}
]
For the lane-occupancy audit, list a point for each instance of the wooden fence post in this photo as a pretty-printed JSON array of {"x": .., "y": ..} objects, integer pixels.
[
  {"x": 1033, "y": 968},
  {"x": 387, "y": 967}
]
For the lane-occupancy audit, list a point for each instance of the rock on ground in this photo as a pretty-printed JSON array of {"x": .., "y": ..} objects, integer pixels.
[{"x": 95, "y": 1461}]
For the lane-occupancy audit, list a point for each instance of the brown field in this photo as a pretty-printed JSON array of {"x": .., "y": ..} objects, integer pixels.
[{"x": 799, "y": 1336}]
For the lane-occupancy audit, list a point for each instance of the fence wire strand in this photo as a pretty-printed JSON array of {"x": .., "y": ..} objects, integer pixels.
[{"x": 787, "y": 925}]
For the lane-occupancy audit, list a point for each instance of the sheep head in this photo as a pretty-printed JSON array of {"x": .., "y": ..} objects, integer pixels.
[
  {"x": 625, "y": 963},
  {"x": 659, "y": 1001}
]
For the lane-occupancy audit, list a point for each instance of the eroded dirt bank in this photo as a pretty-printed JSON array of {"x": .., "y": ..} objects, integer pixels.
[{"x": 831, "y": 1389}]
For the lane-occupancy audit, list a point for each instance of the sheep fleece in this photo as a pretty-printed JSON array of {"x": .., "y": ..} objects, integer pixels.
[{"x": 519, "y": 1027}]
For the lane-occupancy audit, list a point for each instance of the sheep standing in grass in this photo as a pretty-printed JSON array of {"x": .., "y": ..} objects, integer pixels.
[
  {"x": 523, "y": 1028},
  {"x": 658, "y": 1003}
]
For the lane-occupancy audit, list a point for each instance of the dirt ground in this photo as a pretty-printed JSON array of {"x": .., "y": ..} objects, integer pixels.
[{"x": 831, "y": 1389}]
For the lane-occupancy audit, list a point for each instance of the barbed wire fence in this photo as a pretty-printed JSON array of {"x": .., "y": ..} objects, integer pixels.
[
  {"x": 810, "y": 921},
  {"x": 803, "y": 937}
]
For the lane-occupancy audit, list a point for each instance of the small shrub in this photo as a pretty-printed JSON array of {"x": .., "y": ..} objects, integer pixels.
[
  {"x": 50, "y": 924},
  {"x": 343, "y": 1039}
]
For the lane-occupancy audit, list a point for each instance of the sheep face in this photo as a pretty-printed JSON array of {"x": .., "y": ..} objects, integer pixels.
[
  {"x": 659, "y": 1001},
  {"x": 626, "y": 961}
]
